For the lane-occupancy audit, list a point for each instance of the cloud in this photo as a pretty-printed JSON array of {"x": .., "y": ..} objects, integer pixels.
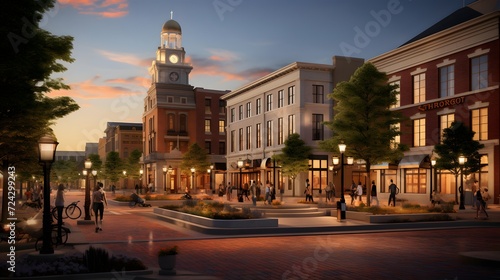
[
  {"x": 102, "y": 8},
  {"x": 126, "y": 58},
  {"x": 223, "y": 63},
  {"x": 95, "y": 89}
]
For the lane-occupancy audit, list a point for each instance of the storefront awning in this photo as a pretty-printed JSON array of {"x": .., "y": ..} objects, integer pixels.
[
  {"x": 415, "y": 161},
  {"x": 384, "y": 165},
  {"x": 267, "y": 162}
]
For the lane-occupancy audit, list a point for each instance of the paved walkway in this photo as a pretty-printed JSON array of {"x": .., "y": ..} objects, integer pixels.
[{"x": 134, "y": 232}]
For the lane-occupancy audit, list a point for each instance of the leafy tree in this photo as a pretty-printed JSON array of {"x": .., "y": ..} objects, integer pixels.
[
  {"x": 65, "y": 171},
  {"x": 29, "y": 56},
  {"x": 458, "y": 140},
  {"x": 195, "y": 157},
  {"x": 113, "y": 166},
  {"x": 132, "y": 165},
  {"x": 96, "y": 164},
  {"x": 294, "y": 158},
  {"x": 363, "y": 120}
]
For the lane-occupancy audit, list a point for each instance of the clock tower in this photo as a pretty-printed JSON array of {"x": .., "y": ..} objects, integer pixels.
[{"x": 170, "y": 66}]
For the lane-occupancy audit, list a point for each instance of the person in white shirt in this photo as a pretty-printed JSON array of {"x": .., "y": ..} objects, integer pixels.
[{"x": 360, "y": 191}]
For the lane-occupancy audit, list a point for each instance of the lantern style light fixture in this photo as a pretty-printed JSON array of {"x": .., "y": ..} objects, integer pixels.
[{"x": 47, "y": 146}]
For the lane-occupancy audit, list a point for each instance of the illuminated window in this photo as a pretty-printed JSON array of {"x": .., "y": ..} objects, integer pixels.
[
  {"x": 444, "y": 123},
  {"x": 480, "y": 123},
  {"x": 419, "y": 132},
  {"x": 419, "y": 88}
]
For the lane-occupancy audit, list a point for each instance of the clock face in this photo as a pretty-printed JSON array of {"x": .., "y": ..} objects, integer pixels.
[
  {"x": 174, "y": 76},
  {"x": 173, "y": 58}
]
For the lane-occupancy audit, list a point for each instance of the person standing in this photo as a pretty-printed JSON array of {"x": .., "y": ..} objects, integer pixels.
[
  {"x": 359, "y": 192},
  {"x": 373, "y": 193},
  {"x": 267, "y": 198},
  {"x": 228, "y": 191},
  {"x": 98, "y": 201},
  {"x": 486, "y": 197},
  {"x": 59, "y": 206},
  {"x": 393, "y": 190},
  {"x": 328, "y": 190}
]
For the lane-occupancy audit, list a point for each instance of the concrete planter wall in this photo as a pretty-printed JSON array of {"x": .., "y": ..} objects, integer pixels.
[
  {"x": 390, "y": 218},
  {"x": 213, "y": 223}
]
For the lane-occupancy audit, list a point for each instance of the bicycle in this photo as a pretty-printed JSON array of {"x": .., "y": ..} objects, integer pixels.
[
  {"x": 72, "y": 211},
  {"x": 54, "y": 237}
]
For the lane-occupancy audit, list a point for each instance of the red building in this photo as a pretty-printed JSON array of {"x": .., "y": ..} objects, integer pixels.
[
  {"x": 177, "y": 115},
  {"x": 449, "y": 72}
]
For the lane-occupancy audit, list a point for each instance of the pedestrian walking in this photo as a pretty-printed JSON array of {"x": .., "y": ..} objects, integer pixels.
[
  {"x": 59, "y": 206},
  {"x": 359, "y": 192},
  {"x": 98, "y": 202},
  {"x": 253, "y": 192},
  {"x": 267, "y": 198},
  {"x": 333, "y": 192},
  {"x": 486, "y": 196},
  {"x": 393, "y": 190},
  {"x": 480, "y": 204},
  {"x": 373, "y": 193},
  {"x": 353, "y": 192},
  {"x": 245, "y": 191},
  {"x": 282, "y": 192}
]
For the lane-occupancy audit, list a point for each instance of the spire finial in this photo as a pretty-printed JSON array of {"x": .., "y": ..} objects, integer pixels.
[{"x": 171, "y": 14}]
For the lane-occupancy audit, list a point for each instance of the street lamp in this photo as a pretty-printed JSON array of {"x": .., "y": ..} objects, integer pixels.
[
  {"x": 46, "y": 154},
  {"x": 170, "y": 170},
  {"x": 210, "y": 172},
  {"x": 433, "y": 162},
  {"x": 94, "y": 174},
  {"x": 86, "y": 171},
  {"x": 192, "y": 177},
  {"x": 124, "y": 179},
  {"x": 240, "y": 166},
  {"x": 462, "y": 160},
  {"x": 341, "y": 208},
  {"x": 165, "y": 178}
]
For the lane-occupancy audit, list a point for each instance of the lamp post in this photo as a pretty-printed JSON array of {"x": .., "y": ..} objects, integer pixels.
[
  {"x": 462, "y": 160},
  {"x": 86, "y": 171},
  {"x": 46, "y": 154},
  {"x": 432, "y": 190},
  {"x": 141, "y": 171},
  {"x": 210, "y": 171},
  {"x": 341, "y": 208},
  {"x": 240, "y": 166},
  {"x": 192, "y": 177},
  {"x": 165, "y": 178},
  {"x": 94, "y": 174},
  {"x": 170, "y": 170}
]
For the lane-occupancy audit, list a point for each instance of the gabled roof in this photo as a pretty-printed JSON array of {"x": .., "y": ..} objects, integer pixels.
[{"x": 459, "y": 16}]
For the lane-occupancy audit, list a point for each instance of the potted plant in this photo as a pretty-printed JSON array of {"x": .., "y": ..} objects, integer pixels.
[{"x": 166, "y": 259}]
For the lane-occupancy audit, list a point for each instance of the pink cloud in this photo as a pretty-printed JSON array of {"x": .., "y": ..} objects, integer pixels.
[
  {"x": 125, "y": 58},
  {"x": 102, "y": 8},
  {"x": 93, "y": 89}
]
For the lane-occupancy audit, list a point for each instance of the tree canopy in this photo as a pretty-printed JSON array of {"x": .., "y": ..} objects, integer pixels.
[
  {"x": 195, "y": 157},
  {"x": 458, "y": 140},
  {"x": 363, "y": 119},
  {"x": 294, "y": 157},
  {"x": 29, "y": 58}
]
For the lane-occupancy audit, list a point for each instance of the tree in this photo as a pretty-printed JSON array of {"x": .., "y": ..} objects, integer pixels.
[
  {"x": 132, "y": 165},
  {"x": 362, "y": 118},
  {"x": 113, "y": 166},
  {"x": 294, "y": 158},
  {"x": 458, "y": 140},
  {"x": 195, "y": 157},
  {"x": 29, "y": 56}
]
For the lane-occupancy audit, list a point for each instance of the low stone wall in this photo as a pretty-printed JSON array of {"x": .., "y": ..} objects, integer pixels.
[
  {"x": 391, "y": 218},
  {"x": 214, "y": 223}
]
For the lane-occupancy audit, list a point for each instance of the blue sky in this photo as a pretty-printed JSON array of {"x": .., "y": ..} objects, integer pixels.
[{"x": 228, "y": 42}]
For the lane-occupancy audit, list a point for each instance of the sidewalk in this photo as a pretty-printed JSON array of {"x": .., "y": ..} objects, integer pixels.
[{"x": 154, "y": 232}]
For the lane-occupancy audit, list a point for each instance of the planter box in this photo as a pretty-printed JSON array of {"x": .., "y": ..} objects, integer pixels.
[
  {"x": 391, "y": 218},
  {"x": 214, "y": 223}
]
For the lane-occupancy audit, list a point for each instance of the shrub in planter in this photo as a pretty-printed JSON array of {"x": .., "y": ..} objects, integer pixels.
[
  {"x": 96, "y": 259},
  {"x": 167, "y": 257}
]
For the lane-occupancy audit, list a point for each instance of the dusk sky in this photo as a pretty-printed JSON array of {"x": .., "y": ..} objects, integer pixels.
[{"x": 228, "y": 42}]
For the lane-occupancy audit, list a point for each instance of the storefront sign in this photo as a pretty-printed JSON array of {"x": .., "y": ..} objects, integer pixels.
[{"x": 442, "y": 104}]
